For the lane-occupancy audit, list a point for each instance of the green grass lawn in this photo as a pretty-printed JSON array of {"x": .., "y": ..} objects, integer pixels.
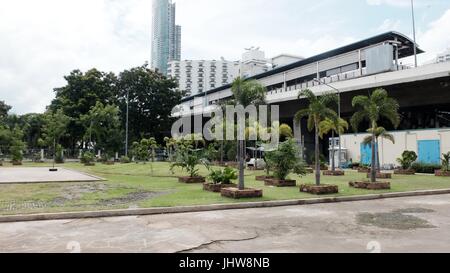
[{"x": 154, "y": 185}]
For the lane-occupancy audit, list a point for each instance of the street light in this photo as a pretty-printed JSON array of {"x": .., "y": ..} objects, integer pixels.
[
  {"x": 414, "y": 33},
  {"x": 126, "y": 125},
  {"x": 339, "y": 115}
]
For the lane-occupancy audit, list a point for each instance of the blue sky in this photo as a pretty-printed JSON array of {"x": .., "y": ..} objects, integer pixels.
[{"x": 43, "y": 42}]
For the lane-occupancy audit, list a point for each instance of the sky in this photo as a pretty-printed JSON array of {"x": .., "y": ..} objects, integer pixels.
[{"x": 41, "y": 41}]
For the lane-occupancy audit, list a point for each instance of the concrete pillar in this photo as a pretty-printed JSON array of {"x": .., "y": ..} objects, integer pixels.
[
  {"x": 117, "y": 156},
  {"x": 298, "y": 136},
  {"x": 99, "y": 154},
  {"x": 42, "y": 155}
]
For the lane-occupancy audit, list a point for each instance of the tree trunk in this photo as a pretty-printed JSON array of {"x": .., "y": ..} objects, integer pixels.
[
  {"x": 378, "y": 156},
  {"x": 221, "y": 153},
  {"x": 373, "y": 171},
  {"x": 317, "y": 155},
  {"x": 241, "y": 164},
  {"x": 333, "y": 164}
]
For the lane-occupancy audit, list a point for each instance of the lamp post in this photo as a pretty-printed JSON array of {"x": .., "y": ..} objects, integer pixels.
[
  {"x": 126, "y": 124},
  {"x": 339, "y": 115},
  {"x": 414, "y": 33}
]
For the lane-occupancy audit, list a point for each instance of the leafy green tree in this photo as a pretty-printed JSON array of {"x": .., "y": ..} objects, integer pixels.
[
  {"x": 103, "y": 127},
  {"x": 4, "y": 109},
  {"x": 372, "y": 108},
  {"x": 245, "y": 93},
  {"x": 82, "y": 92},
  {"x": 285, "y": 160},
  {"x": 55, "y": 127},
  {"x": 17, "y": 145},
  {"x": 152, "y": 97},
  {"x": 336, "y": 126},
  {"x": 317, "y": 111}
]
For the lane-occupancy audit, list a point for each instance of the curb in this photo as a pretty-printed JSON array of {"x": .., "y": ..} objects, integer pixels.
[{"x": 204, "y": 208}]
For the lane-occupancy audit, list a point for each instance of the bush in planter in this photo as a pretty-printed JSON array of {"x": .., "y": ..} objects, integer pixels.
[
  {"x": 221, "y": 179},
  {"x": 223, "y": 176},
  {"x": 87, "y": 158},
  {"x": 286, "y": 160},
  {"x": 188, "y": 159},
  {"x": 425, "y": 168},
  {"x": 445, "y": 169},
  {"x": 406, "y": 161},
  {"x": 125, "y": 160}
]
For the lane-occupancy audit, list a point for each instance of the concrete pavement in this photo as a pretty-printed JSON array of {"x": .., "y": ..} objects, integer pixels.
[{"x": 412, "y": 224}]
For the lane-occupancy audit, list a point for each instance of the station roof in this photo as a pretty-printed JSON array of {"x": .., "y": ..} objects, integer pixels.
[{"x": 405, "y": 50}]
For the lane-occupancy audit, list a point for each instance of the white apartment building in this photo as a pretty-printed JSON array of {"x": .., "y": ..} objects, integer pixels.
[
  {"x": 197, "y": 76},
  {"x": 443, "y": 57}
]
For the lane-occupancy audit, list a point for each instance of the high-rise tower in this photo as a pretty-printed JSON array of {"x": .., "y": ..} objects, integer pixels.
[{"x": 166, "y": 35}]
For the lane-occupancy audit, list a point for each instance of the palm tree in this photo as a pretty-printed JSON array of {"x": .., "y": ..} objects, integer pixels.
[
  {"x": 245, "y": 93},
  {"x": 317, "y": 111},
  {"x": 338, "y": 126},
  {"x": 379, "y": 132},
  {"x": 372, "y": 108}
]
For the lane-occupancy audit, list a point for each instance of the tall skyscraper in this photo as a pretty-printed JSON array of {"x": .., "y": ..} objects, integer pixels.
[{"x": 166, "y": 35}]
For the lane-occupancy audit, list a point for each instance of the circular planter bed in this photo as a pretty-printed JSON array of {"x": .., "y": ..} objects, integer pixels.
[
  {"x": 334, "y": 173},
  {"x": 89, "y": 164},
  {"x": 109, "y": 163},
  {"x": 236, "y": 193},
  {"x": 280, "y": 183},
  {"x": 382, "y": 175},
  {"x": 405, "y": 172},
  {"x": 191, "y": 180},
  {"x": 309, "y": 170},
  {"x": 322, "y": 189},
  {"x": 371, "y": 185},
  {"x": 441, "y": 173},
  {"x": 217, "y": 187},
  {"x": 16, "y": 163},
  {"x": 263, "y": 178},
  {"x": 1, "y": 164}
]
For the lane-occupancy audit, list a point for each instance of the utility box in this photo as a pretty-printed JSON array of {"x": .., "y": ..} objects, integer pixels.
[{"x": 380, "y": 59}]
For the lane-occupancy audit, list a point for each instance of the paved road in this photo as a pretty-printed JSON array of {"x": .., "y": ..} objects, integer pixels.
[
  {"x": 418, "y": 224},
  {"x": 42, "y": 175}
]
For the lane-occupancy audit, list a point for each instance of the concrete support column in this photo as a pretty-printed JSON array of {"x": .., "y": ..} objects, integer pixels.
[
  {"x": 42, "y": 155},
  {"x": 299, "y": 137}
]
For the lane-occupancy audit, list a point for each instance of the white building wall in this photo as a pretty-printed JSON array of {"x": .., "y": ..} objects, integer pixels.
[{"x": 404, "y": 140}]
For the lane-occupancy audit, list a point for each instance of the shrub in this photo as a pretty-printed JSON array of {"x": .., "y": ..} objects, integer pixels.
[
  {"x": 224, "y": 176},
  {"x": 425, "y": 168},
  {"x": 188, "y": 160},
  {"x": 286, "y": 160},
  {"x": 407, "y": 159},
  {"x": 59, "y": 156},
  {"x": 445, "y": 162},
  {"x": 87, "y": 157},
  {"x": 125, "y": 160}
]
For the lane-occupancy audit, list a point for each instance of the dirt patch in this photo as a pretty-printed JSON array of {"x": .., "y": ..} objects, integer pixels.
[
  {"x": 397, "y": 219},
  {"x": 131, "y": 198}
]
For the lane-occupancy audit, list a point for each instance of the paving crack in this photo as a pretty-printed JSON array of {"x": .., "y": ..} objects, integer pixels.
[{"x": 218, "y": 242}]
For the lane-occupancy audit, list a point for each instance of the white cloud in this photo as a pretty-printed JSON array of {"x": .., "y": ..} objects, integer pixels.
[
  {"x": 389, "y": 25},
  {"x": 396, "y": 3},
  {"x": 436, "y": 38},
  {"x": 44, "y": 40}
]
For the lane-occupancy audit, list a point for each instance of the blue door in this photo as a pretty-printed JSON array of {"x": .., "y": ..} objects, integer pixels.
[
  {"x": 366, "y": 154},
  {"x": 429, "y": 151}
]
